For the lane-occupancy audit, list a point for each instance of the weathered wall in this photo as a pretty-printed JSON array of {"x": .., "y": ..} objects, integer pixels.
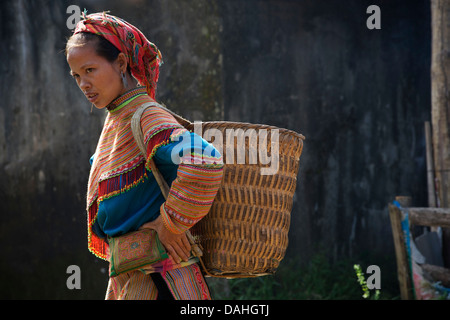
[
  {"x": 47, "y": 134},
  {"x": 359, "y": 96}
]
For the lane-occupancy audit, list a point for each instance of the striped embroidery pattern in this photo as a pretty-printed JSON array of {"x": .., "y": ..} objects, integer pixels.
[
  {"x": 193, "y": 191},
  {"x": 131, "y": 286},
  {"x": 116, "y": 151},
  {"x": 155, "y": 120},
  {"x": 191, "y": 196},
  {"x": 119, "y": 166},
  {"x": 118, "y": 163},
  {"x": 185, "y": 283}
]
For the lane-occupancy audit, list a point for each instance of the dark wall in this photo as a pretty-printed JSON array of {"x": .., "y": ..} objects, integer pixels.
[{"x": 359, "y": 96}]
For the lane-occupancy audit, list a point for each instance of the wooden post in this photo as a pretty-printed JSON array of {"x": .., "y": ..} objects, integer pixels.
[
  {"x": 403, "y": 270},
  {"x": 440, "y": 106},
  {"x": 431, "y": 217},
  {"x": 440, "y": 101},
  {"x": 430, "y": 166}
]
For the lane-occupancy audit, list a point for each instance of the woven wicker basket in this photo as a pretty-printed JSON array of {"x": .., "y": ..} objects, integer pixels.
[{"x": 245, "y": 234}]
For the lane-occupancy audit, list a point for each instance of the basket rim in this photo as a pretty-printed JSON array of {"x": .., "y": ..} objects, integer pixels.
[{"x": 256, "y": 125}]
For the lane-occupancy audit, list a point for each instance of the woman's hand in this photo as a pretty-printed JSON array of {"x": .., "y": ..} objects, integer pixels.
[{"x": 177, "y": 245}]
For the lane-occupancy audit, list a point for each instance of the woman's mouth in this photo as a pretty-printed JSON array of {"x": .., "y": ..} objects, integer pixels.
[{"x": 92, "y": 97}]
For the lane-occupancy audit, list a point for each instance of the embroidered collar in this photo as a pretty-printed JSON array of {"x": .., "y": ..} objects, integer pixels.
[{"x": 124, "y": 99}]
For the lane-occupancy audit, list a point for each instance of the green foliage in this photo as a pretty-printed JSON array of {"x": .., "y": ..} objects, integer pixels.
[{"x": 362, "y": 282}]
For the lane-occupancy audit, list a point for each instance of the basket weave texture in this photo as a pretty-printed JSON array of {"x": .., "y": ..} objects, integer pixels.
[{"x": 245, "y": 234}]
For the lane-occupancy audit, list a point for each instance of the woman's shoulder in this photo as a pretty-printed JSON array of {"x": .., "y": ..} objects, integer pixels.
[
  {"x": 157, "y": 118},
  {"x": 156, "y": 115}
]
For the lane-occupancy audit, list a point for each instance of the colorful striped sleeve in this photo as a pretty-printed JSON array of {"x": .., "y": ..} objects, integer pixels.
[{"x": 199, "y": 173}]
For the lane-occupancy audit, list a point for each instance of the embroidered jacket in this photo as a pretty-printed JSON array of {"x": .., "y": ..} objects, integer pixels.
[{"x": 122, "y": 191}]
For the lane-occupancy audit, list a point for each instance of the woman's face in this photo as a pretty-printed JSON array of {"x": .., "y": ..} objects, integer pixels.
[{"x": 99, "y": 79}]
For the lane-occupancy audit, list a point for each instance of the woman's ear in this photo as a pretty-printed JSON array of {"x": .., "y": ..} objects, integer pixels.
[{"x": 122, "y": 63}]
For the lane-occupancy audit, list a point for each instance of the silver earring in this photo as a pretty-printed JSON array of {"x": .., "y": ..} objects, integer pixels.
[{"x": 124, "y": 80}]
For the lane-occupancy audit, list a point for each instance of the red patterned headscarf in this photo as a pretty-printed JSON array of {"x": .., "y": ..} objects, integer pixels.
[{"x": 143, "y": 57}]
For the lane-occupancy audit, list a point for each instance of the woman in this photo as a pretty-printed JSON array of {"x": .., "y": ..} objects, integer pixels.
[{"x": 117, "y": 68}]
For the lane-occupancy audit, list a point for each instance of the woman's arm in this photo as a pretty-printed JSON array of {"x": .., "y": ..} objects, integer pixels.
[{"x": 198, "y": 179}]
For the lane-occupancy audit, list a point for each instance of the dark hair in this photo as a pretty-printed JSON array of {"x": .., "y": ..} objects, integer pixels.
[{"x": 103, "y": 47}]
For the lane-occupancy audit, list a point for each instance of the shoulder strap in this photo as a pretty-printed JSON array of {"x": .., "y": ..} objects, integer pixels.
[
  {"x": 136, "y": 125},
  {"x": 139, "y": 137}
]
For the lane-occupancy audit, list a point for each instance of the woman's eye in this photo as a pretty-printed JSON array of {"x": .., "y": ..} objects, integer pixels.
[{"x": 88, "y": 70}]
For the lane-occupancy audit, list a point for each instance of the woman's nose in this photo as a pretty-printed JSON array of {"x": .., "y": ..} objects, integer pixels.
[{"x": 84, "y": 84}]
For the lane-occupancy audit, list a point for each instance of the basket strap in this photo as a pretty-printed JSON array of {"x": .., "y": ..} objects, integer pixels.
[{"x": 139, "y": 137}]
